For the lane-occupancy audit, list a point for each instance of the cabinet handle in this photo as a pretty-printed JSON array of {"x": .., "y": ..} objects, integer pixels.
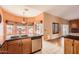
[
  {"x": 72, "y": 44},
  {"x": 19, "y": 43},
  {"x": 22, "y": 43}
]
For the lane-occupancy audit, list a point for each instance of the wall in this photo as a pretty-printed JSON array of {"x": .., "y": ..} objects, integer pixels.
[
  {"x": 35, "y": 20},
  {"x": 6, "y": 16},
  {"x": 40, "y": 20},
  {"x": 11, "y": 17},
  {"x": 15, "y": 19},
  {"x": 1, "y": 28},
  {"x": 40, "y": 17},
  {"x": 48, "y": 20}
]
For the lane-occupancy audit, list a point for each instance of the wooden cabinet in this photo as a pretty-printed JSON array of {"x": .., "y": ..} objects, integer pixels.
[
  {"x": 14, "y": 47},
  {"x": 68, "y": 46},
  {"x": 74, "y": 23},
  {"x": 4, "y": 48},
  {"x": 71, "y": 46},
  {"x": 27, "y": 46},
  {"x": 20, "y": 46},
  {"x": 76, "y": 47}
]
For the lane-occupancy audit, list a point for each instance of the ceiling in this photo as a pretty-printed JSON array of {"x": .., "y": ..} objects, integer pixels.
[
  {"x": 21, "y": 10},
  {"x": 65, "y": 11}
]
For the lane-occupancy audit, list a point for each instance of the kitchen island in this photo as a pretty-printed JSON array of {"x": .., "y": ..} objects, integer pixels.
[
  {"x": 71, "y": 44},
  {"x": 22, "y": 44}
]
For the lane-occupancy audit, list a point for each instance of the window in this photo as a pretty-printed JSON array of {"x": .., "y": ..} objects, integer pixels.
[{"x": 55, "y": 28}]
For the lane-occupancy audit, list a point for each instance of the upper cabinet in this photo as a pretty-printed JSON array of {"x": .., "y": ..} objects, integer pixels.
[
  {"x": 74, "y": 23},
  {"x": 74, "y": 26}
]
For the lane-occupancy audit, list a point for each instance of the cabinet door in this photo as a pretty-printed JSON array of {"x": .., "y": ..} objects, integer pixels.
[
  {"x": 27, "y": 46},
  {"x": 14, "y": 47},
  {"x": 68, "y": 46},
  {"x": 3, "y": 49},
  {"x": 76, "y": 47}
]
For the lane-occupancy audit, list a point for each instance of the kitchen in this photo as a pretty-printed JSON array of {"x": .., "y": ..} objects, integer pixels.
[
  {"x": 20, "y": 33},
  {"x": 29, "y": 31}
]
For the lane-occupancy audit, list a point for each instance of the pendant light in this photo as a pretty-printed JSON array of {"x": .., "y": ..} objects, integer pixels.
[{"x": 24, "y": 20}]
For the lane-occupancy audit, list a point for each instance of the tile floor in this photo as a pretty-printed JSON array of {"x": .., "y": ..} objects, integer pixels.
[{"x": 55, "y": 46}]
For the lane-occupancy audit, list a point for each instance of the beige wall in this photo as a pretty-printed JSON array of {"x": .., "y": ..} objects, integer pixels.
[
  {"x": 1, "y": 28},
  {"x": 48, "y": 20}
]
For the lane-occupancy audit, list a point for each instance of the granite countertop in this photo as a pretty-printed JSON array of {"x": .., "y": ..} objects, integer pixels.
[
  {"x": 74, "y": 34},
  {"x": 17, "y": 37},
  {"x": 72, "y": 37},
  {"x": 22, "y": 37}
]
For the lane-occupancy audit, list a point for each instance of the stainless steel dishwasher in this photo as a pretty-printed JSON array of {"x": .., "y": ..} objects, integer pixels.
[{"x": 36, "y": 43}]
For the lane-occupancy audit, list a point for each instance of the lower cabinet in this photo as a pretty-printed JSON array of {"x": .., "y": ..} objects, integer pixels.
[
  {"x": 3, "y": 48},
  {"x": 19, "y": 46},
  {"x": 76, "y": 47},
  {"x": 27, "y": 46},
  {"x": 14, "y": 47},
  {"x": 22, "y": 46},
  {"x": 68, "y": 46},
  {"x": 71, "y": 46}
]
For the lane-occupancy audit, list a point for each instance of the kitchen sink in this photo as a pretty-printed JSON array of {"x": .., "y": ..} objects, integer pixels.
[
  {"x": 23, "y": 35},
  {"x": 14, "y": 37}
]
